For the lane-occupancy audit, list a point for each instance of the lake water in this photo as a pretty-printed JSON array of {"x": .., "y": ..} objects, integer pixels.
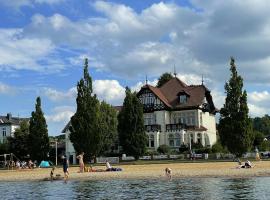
[{"x": 186, "y": 188}]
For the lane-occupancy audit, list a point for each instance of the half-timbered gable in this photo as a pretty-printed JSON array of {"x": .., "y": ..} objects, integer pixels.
[{"x": 151, "y": 100}]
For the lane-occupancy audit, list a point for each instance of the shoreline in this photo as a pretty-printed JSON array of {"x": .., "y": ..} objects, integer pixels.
[{"x": 146, "y": 171}]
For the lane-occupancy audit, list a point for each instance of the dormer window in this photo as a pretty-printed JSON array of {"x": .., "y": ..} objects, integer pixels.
[{"x": 183, "y": 99}]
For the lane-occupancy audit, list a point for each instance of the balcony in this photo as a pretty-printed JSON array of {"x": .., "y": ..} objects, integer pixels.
[
  {"x": 152, "y": 128},
  {"x": 175, "y": 127}
]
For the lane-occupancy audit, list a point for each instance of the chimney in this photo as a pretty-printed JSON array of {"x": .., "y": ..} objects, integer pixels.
[{"x": 9, "y": 116}]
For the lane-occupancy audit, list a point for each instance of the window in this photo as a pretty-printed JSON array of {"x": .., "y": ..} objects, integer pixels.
[
  {"x": 191, "y": 118},
  {"x": 174, "y": 140},
  {"x": 151, "y": 141},
  {"x": 4, "y": 132},
  {"x": 183, "y": 99},
  {"x": 199, "y": 140},
  {"x": 149, "y": 119},
  {"x": 177, "y": 139},
  {"x": 171, "y": 140}
]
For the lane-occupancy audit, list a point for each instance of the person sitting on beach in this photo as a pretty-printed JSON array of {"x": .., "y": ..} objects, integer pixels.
[
  {"x": 30, "y": 164},
  {"x": 108, "y": 166},
  {"x": 168, "y": 172},
  {"x": 248, "y": 164}
]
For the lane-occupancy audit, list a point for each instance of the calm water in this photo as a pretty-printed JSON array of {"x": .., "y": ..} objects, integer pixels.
[{"x": 193, "y": 188}]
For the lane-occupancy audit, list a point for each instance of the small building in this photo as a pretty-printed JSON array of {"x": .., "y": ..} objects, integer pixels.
[
  {"x": 178, "y": 114},
  {"x": 8, "y": 125},
  {"x": 70, "y": 151}
]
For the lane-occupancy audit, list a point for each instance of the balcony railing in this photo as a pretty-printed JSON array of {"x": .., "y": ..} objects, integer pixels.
[
  {"x": 152, "y": 127},
  {"x": 175, "y": 127}
]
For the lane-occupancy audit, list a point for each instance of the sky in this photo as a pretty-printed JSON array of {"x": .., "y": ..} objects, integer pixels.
[{"x": 43, "y": 44}]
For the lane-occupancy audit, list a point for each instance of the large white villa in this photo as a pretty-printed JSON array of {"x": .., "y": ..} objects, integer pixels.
[
  {"x": 174, "y": 114},
  {"x": 177, "y": 113}
]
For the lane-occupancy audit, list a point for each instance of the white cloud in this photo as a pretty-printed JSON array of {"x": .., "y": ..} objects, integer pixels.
[
  {"x": 50, "y": 2},
  {"x": 127, "y": 42},
  {"x": 138, "y": 85},
  {"x": 23, "y": 53},
  {"x": 61, "y": 114},
  {"x": 6, "y": 89},
  {"x": 16, "y": 4},
  {"x": 258, "y": 103},
  {"x": 110, "y": 91},
  {"x": 56, "y": 95}
]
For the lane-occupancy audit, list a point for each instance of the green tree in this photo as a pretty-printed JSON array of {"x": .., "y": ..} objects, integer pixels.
[
  {"x": 94, "y": 125},
  {"x": 258, "y": 138},
  {"x": 38, "y": 134},
  {"x": 19, "y": 143},
  {"x": 107, "y": 126},
  {"x": 235, "y": 127},
  {"x": 262, "y": 124},
  {"x": 131, "y": 131},
  {"x": 164, "y": 78}
]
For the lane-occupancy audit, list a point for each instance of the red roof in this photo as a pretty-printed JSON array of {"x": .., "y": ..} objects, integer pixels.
[{"x": 169, "y": 94}]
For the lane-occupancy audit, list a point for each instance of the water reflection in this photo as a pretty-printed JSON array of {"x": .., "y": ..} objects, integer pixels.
[{"x": 192, "y": 188}]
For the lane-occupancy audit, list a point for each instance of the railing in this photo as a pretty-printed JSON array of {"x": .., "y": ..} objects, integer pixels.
[
  {"x": 152, "y": 127},
  {"x": 175, "y": 127}
]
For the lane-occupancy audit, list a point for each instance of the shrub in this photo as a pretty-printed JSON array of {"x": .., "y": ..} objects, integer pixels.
[
  {"x": 183, "y": 148},
  {"x": 218, "y": 148},
  {"x": 163, "y": 149}
]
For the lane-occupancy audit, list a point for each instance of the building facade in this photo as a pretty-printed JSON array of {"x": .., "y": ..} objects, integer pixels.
[
  {"x": 174, "y": 114},
  {"x": 70, "y": 151},
  {"x": 178, "y": 114},
  {"x": 8, "y": 125}
]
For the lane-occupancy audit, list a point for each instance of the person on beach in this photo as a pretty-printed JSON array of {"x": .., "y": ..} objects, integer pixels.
[
  {"x": 80, "y": 157},
  {"x": 108, "y": 166},
  {"x": 168, "y": 172},
  {"x": 52, "y": 172},
  {"x": 65, "y": 167}
]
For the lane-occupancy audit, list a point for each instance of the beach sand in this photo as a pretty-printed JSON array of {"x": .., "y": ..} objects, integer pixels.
[{"x": 147, "y": 171}]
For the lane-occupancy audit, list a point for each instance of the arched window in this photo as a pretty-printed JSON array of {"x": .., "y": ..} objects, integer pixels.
[
  {"x": 177, "y": 139},
  {"x": 151, "y": 140}
]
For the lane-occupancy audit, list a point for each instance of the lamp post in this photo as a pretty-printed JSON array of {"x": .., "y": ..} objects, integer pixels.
[{"x": 56, "y": 152}]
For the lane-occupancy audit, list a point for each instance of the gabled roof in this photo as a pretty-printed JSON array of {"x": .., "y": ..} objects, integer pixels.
[
  {"x": 169, "y": 94},
  {"x": 67, "y": 127},
  {"x": 11, "y": 120}
]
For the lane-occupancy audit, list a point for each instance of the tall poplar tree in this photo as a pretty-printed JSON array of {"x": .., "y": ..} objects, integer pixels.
[
  {"x": 107, "y": 126},
  {"x": 94, "y": 124},
  {"x": 131, "y": 130},
  {"x": 235, "y": 126},
  {"x": 38, "y": 134}
]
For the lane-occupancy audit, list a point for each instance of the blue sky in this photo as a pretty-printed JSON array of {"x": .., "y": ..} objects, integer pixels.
[{"x": 43, "y": 44}]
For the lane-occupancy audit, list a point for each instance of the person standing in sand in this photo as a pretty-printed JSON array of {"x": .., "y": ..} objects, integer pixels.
[
  {"x": 65, "y": 168},
  {"x": 80, "y": 157}
]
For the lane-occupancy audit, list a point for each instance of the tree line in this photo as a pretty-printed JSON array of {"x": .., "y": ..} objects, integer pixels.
[
  {"x": 30, "y": 140},
  {"x": 96, "y": 126}
]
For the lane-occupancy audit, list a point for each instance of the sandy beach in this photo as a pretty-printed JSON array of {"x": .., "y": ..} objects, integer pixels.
[{"x": 149, "y": 171}]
